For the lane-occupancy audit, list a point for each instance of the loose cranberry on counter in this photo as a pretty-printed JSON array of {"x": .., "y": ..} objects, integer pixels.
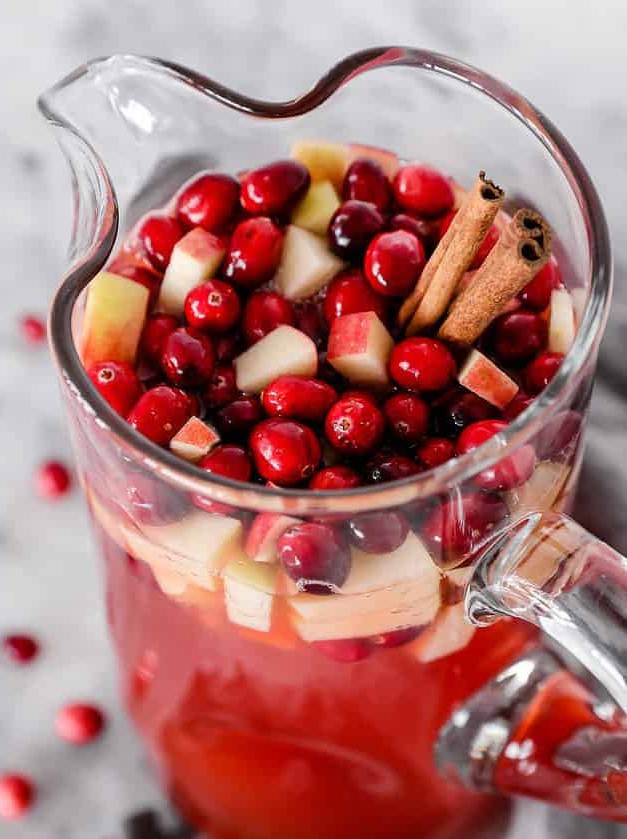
[
  {"x": 285, "y": 452},
  {"x": 52, "y": 480},
  {"x": 365, "y": 180},
  {"x": 335, "y": 477},
  {"x": 148, "y": 500},
  {"x": 213, "y": 307},
  {"x": 518, "y": 404},
  {"x": 20, "y": 648},
  {"x": 489, "y": 241},
  {"x": 264, "y": 311},
  {"x": 355, "y": 425},
  {"x": 160, "y": 412},
  {"x": 393, "y": 262},
  {"x": 298, "y": 397},
  {"x": 274, "y": 189},
  {"x": 311, "y": 321},
  {"x": 539, "y": 373},
  {"x": 397, "y": 637},
  {"x": 457, "y": 409},
  {"x": 254, "y": 252},
  {"x": 222, "y": 389},
  {"x": 17, "y": 794},
  {"x": 457, "y": 526},
  {"x": 349, "y": 293},
  {"x": 315, "y": 556},
  {"x": 159, "y": 235},
  {"x": 347, "y": 650},
  {"x": 407, "y": 416},
  {"x": 537, "y": 293},
  {"x": 188, "y": 357},
  {"x": 116, "y": 382},
  {"x": 378, "y": 533},
  {"x": 389, "y": 466},
  {"x": 353, "y": 226},
  {"x": 511, "y": 471},
  {"x": 237, "y": 418},
  {"x": 156, "y": 329},
  {"x": 228, "y": 346},
  {"x": 79, "y": 723},
  {"x": 149, "y": 278},
  {"x": 519, "y": 336},
  {"x": 210, "y": 201},
  {"x": 33, "y": 329},
  {"x": 436, "y": 451},
  {"x": 422, "y": 364},
  {"x": 423, "y": 190}
]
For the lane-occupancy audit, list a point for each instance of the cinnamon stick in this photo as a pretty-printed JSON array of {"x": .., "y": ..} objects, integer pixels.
[{"x": 452, "y": 257}]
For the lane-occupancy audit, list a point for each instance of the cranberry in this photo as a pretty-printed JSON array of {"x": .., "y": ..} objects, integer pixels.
[
  {"x": 354, "y": 425},
  {"x": 425, "y": 230},
  {"x": 228, "y": 346},
  {"x": 347, "y": 650},
  {"x": 519, "y": 336},
  {"x": 254, "y": 252},
  {"x": 79, "y": 723},
  {"x": 352, "y": 227},
  {"x": 423, "y": 190},
  {"x": 310, "y": 320},
  {"x": 378, "y": 533},
  {"x": 511, "y": 471},
  {"x": 537, "y": 293},
  {"x": 315, "y": 556},
  {"x": 210, "y": 201},
  {"x": 397, "y": 637},
  {"x": 238, "y": 417},
  {"x": 33, "y": 329},
  {"x": 16, "y": 796},
  {"x": 422, "y": 364},
  {"x": 159, "y": 235},
  {"x": 149, "y": 500},
  {"x": 20, "y": 648},
  {"x": 436, "y": 451},
  {"x": 213, "y": 306},
  {"x": 275, "y": 188},
  {"x": 116, "y": 382},
  {"x": 230, "y": 461},
  {"x": 407, "y": 416},
  {"x": 461, "y": 522},
  {"x": 298, "y": 397},
  {"x": 539, "y": 373},
  {"x": 335, "y": 477},
  {"x": 457, "y": 409},
  {"x": 365, "y": 180},
  {"x": 264, "y": 311},
  {"x": 348, "y": 293},
  {"x": 188, "y": 357},
  {"x": 388, "y": 466},
  {"x": 156, "y": 329},
  {"x": 147, "y": 277},
  {"x": 284, "y": 451},
  {"x": 160, "y": 412},
  {"x": 52, "y": 480},
  {"x": 393, "y": 263},
  {"x": 222, "y": 389},
  {"x": 489, "y": 241},
  {"x": 518, "y": 404}
]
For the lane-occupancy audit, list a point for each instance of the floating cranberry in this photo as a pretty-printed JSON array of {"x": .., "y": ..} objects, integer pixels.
[
  {"x": 422, "y": 364},
  {"x": 505, "y": 474},
  {"x": 212, "y": 306},
  {"x": 397, "y": 637},
  {"x": 407, "y": 416},
  {"x": 537, "y": 293},
  {"x": 335, "y": 477},
  {"x": 426, "y": 230},
  {"x": 352, "y": 228},
  {"x": 228, "y": 346},
  {"x": 52, "y": 480},
  {"x": 539, "y": 373},
  {"x": 33, "y": 329},
  {"x": 159, "y": 235},
  {"x": 389, "y": 466},
  {"x": 355, "y": 425},
  {"x": 519, "y": 336},
  {"x": 264, "y": 311},
  {"x": 156, "y": 330},
  {"x": 298, "y": 397},
  {"x": 79, "y": 723},
  {"x": 393, "y": 263},
  {"x": 347, "y": 650},
  {"x": 17, "y": 794},
  {"x": 285, "y": 452},
  {"x": 457, "y": 409},
  {"x": 20, "y": 648},
  {"x": 116, "y": 382},
  {"x": 349, "y": 293},
  {"x": 229, "y": 461},
  {"x": 310, "y": 320},
  {"x": 315, "y": 556},
  {"x": 188, "y": 357},
  {"x": 160, "y": 412},
  {"x": 365, "y": 180},
  {"x": 436, "y": 451},
  {"x": 378, "y": 533},
  {"x": 222, "y": 389},
  {"x": 210, "y": 201},
  {"x": 149, "y": 278},
  {"x": 274, "y": 189},
  {"x": 254, "y": 252},
  {"x": 460, "y": 523},
  {"x": 149, "y": 500},
  {"x": 237, "y": 418},
  {"x": 423, "y": 190},
  {"x": 518, "y": 404}
]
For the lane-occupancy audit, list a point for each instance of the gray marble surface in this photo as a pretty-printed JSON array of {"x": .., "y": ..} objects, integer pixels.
[{"x": 569, "y": 61}]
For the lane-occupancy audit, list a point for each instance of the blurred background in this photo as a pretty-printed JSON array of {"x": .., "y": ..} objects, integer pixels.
[{"x": 568, "y": 60}]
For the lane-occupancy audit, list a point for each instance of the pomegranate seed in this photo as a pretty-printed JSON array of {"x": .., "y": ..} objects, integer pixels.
[
  {"x": 285, "y": 452},
  {"x": 354, "y": 425},
  {"x": 156, "y": 330},
  {"x": 188, "y": 357},
  {"x": 537, "y": 293},
  {"x": 461, "y": 523},
  {"x": 511, "y": 471},
  {"x": 213, "y": 306},
  {"x": 423, "y": 190},
  {"x": 160, "y": 412},
  {"x": 210, "y": 201},
  {"x": 422, "y": 364},
  {"x": 518, "y": 404},
  {"x": 397, "y": 637},
  {"x": 365, "y": 180},
  {"x": 149, "y": 500},
  {"x": 275, "y": 188},
  {"x": 426, "y": 230},
  {"x": 33, "y": 329},
  {"x": 310, "y": 320},
  {"x": 298, "y": 397},
  {"x": 388, "y": 466},
  {"x": 335, "y": 477},
  {"x": 349, "y": 293},
  {"x": 79, "y": 723},
  {"x": 539, "y": 373},
  {"x": 489, "y": 241},
  {"x": 116, "y": 382},
  {"x": 315, "y": 556},
  {"x": 228, "y": 346},
  {"x": 346, "y": 650},
  {"x": 352, "y": 227},
  {"x": 159, "y": 235},
  {"x": 254, "y": 252},
  {"x": 264, "y": 311},
  {"x": 52, "y": 480},
  {"x": 229, "y": 461},
  {"x": 519, "y": 336},
  {"x": 222, "y": 389},
  {"x": 20, "y": 648},
  {"x": 436, "y": 451},
  {"x": 378, "y": 533},
  {"x": 393, "y": 263},
  {"x": 237, "y": 418},
  {"x": 148, "y": 278},
  {"x": 458, "y": 409},
  {"x": 17, "y": 794},
  {"x": 407, "y": 416}
]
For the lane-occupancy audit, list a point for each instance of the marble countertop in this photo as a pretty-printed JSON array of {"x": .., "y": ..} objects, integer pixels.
[{"x": 572, "y": 67}]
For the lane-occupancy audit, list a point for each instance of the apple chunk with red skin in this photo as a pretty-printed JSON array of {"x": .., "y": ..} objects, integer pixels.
[
  {"x": 284, "y": 351},
  {"x": 386, "y": 159},
  {"x": 195, "y": 257},
  {"x": 264, "y": 533},
  {"x": 359, "y": 348},
  {"x": 194, "y": 440},
  {"x": 483, "y": 378}
]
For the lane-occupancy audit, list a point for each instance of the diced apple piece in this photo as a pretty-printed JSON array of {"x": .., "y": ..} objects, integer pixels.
[
  {"x": 114, "y": 318},
  {"x": 449, "y": 633},
  {"x": 283, "y": 352},
  {"x": 264, "y": 533},
  {"x": 411, "y": 561},
  {"x": 314, "y": 211},
  {"x": 195, "y": 257},
  {"x": 455, "y": 583},
  {"x": 485, "y": 379},
  {"x": 561, "y": 321},
  {"x": 387, "y": 160},
  {"x": 541, "y": 490},
  {"x": 359, "y": 348},
  {"x": 194, "y": 440},
  {"x": 170, "y": 582},
  {"x": 325, "y": 161},
  {"x": 249, "y": 589},
  {"x": 306, "y": 265},
  {"x": 579, "y": 296}
]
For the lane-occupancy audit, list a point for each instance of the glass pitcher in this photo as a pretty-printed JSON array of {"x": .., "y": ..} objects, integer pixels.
[{"x": 417, "y": 706}]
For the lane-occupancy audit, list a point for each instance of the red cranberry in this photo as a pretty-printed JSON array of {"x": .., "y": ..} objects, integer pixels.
[
  {"x": 156, "y": 329},
  {"x": 17, "y": 794},
  {"x": 210, "y": 201},
  {"x": 365, "y": 180},
  {"x": 393, "y": 263},
  {"x": 275, "y": 188},
  {"x": 461, "y": 523},
  {"x": 436, "y": 451},
  {"x": 539, "y": 373},
  {"x": 354, "y": 425},
  {"x": 159, "y": 235},
  {"x": 348, "y": 293},
  {"x": 489, "y": 241},
  {"x": 79, "y": 723},
  {"x": 149, "y": 500},
  {"x": 426, "y": 230},
  {"x": 347, "y": 650},
  {"x": 254, "y": 252},
  {"x": 511, "y": 471},
  {"x": 310, "y": 320},
  {"x": 407, "y": 416},
  {"x": 388, "y": 466},
  {"x": 237, "y": 418},
  {"x": 422, "y": 364},
  {"x": 397, "y": 637},
  {"x": 352, "y": 227},
  {"x": 284, "y": 451},
  {"x": 116, "y": 382},
  {"x": 519, "y": 336},
  {"x": 315, "y": 556},
  {"x": 33, "y": 329},
  {"x": 378, "y": 533},
  {"x": 213, "y": 306},
  {"x": 423, "y": 190},
  {"x": 228, "y": 346},
  {"x": 229, "y": 461},
  {"x": 264, "y": 311},
  {"x": 222, "y": 389},
  {"x": 537, "y": 293},
  {"x": 148, "y": 278},
  {"x": 160, "y": 412},
  {"x": 20, "y": 648},
  {"x": 298, "y": 397},
  {"x": 335, "y": 477},
  {"x": 518, "y": 404},
  {"x": 188, "y": 357},
  {"x": 52, "y": 480},
  {"x": 458, "y": 409}
]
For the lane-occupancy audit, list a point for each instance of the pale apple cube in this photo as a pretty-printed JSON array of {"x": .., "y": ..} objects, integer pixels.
[
  {"x": 359, "y": 348},
  {"x": 264, "y": 533},
  {"x": 449, "y": 633},
  {"x": 284, "y": 351},
  {"x": 316, "y": 208},
  {"x": 170, "y": 582},
  {"x": 249, "y": 589},
  {"x": 482, "y": 377},
  {"x": 307, "y": 264},
  {"x": 325, "y": 161},
  {"x": 195, "y": 258},
  {"x": 561, "y": 321},
  {"x": 195, "y": 439},
  {"x": 386, "y": 159},
  {"x": 410, "y": 561}
]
